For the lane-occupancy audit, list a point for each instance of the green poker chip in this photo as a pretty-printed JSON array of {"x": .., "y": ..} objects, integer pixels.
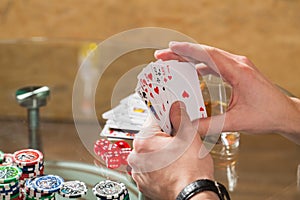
[
  {"x": 9, "y": 174},
  {"x": 1, "y": 156},
  {"x": 47, "y": 197},
  {"x": 14, "y": 196}
]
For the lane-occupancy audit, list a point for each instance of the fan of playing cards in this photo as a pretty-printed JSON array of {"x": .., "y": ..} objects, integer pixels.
[{"x": 160, "y": 84}]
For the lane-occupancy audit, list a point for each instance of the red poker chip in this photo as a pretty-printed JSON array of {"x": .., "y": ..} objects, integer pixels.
[
  {"x": 27, "y": 157},
  {"x": 32, "y": 175}
]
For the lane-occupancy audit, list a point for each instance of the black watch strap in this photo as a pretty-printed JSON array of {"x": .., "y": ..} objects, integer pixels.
[{"x": 203, "y": 185}]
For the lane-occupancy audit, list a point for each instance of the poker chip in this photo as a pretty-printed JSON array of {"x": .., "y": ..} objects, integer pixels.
[
  {"x": 8, "y": 186},
  {"x": 15, "y": 196},
  {"x": 27, "y": 157},
  {"x": 11, "y": 188},
  {"x": 48, "y": 183},
  {"x": 9, "y": 174},
  {"x": 73, "y": 189},
  {"x": 47, "y": 197},
  {"x": 7, "y": 160},
  {"x": 21, "y": 177},
  {"x": 31, "y": 192},
  {"x": 108, "y": 189},
  {"x": 31, "y": 162}
]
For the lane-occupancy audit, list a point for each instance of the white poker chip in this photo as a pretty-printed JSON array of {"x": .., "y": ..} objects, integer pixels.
[
  {"x": 73, "y": 189},
  {"x": 108, "y": 189}
]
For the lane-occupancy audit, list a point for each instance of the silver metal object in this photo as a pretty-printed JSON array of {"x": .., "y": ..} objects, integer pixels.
[{"x": 32, "y": 98}]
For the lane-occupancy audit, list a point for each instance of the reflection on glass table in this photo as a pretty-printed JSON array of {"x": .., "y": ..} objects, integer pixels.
[{"x": 90, "y": 175}]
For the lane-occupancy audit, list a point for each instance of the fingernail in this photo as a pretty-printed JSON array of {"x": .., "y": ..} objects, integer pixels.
[
  {"x": 182, "y": 106},
  {"x": 172, "y": 43},
  {"x": 157, "y": 52},
  {"x": 179, "y": 105}
]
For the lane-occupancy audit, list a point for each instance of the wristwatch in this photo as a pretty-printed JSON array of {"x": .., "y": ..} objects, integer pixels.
[{"x": 203, "y": 185}]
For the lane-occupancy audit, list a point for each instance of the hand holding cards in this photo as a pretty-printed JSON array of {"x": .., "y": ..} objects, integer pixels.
[{"x": 161, "y": 83}]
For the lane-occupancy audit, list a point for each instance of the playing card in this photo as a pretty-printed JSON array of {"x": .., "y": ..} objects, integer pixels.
[
  {"x": 132, "y": 125},
  {"x": 162, "y": 103},
  {"x": 130, "y": 114},
  {"x": 161, "y": 83},
  {"x": 116, "y": 133}
]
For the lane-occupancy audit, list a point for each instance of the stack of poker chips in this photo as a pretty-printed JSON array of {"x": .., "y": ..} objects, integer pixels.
[
  {"x": 9, "y": 182},
  {"x": 73, "y": 189},
  {"x": 30, "y": 161},
  {"x": 43, "y": 187},
  {"x": 112, "y": 190},
  {"x": 113, "y": 154}
]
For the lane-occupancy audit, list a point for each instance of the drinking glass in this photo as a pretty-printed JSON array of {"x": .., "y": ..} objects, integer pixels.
[{"x": 217, "y": 95}]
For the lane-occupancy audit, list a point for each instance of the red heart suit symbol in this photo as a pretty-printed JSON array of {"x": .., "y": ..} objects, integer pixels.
[
  {"x": 156, "y": 90},
  {"x": 185, "y": 94},
  {"x": 150, "y": 76}
]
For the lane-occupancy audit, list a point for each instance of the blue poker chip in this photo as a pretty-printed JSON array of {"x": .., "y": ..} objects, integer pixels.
[{"x": 48, "y": 183}]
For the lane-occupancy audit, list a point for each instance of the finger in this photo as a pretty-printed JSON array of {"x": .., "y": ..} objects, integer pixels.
[
  {"x": 167, "y": 54},
  {"x": 132, "y": 160},
  {"x": 218, "y": 60},
  {"x": 144, "y": 145},
  {"x": 203, "y": 70},
  {"x": 150, "y": 128},
  {"x": 211, "y": 125},
  {"x": 178, "y": 116}
]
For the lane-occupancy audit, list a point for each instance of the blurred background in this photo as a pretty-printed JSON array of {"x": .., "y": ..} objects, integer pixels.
[{"x": 268, "y": 32}]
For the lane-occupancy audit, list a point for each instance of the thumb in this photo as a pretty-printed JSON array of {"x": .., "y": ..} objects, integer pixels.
[
  {"x": 178, "y": 115},
  {"x": 211, "y": 125}
]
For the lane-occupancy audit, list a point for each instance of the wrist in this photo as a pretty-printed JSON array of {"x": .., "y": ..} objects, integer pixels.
[
  {"x": 291, "y": 126},
  {"x": 207, "y": 195},
  {"x": 204, "y": 189},
  {"x": 184, "y": 182}
]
